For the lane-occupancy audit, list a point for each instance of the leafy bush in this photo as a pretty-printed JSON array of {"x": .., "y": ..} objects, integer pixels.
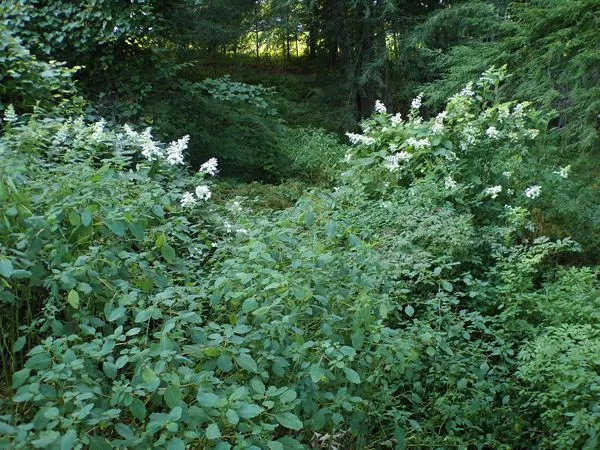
[{"x": 385, "y": 313}]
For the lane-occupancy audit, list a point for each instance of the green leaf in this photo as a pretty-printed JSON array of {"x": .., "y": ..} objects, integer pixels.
[
  {"x": 232, "y": 417},
  {"x": 315, "y": 373},
  {"x": 168, "y": 253},
  {"x": 6, "y": 268},
  {"x": 74, "y": 218},
  {"x": 258, "y": 386},
  {"x": 351, "y": 375},
  {"x": 208, "y": 399},
  {"x": 288, "y": 396},
  {"x": 176, "y": 444},
  {"x": 224, "y": 363},
  {"x": 409, "y": 310},
  {"x": 249, "y": 410},
  {"x": 116, "y": 314},
  {"x": 109, "y": 369},
  {"x": 45, "y": 439},
  {"x": 73, "y": 299},
  {"x": 138, "y": 409},
  {"x": 20, "y": 377},
  {"x": 289, "y": 420},
  {"x": 246, "y": 362},
  {"x": 447, "y": 286},
  {"x": 19, "y": 344},
  {"x": 213, "y": 432},
  {"x": 274, "y": 445},
  {"x": 86, "y": 217},
  {"x": 68, "y": 440},
  {"x": 172, "y": 396},
  {"x": 148, "y": 375}
]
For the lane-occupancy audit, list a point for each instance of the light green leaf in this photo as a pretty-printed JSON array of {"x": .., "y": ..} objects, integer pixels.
[
  {"x": 289, "y": 420},
  {"x": 73, "y": 299},
  {"x": 249, "y": 410},
  {"x": 409, "y": 310},
  {"x": 246, "y": 362},
  {"x": 168, "y": 253},
  {"x": 213, "y": 432},
  {"x": 351, "y": 375},
  {"x": 232, "y": 417}
]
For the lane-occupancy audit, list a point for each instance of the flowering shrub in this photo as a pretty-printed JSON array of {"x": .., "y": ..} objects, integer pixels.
[{"x": 476, "y": 145}]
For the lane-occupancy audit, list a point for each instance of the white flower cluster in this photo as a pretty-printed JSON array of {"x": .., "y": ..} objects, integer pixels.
[
  {"x": 175, "y": 150},
  {"x": 492, "y": 132},
  {"x": 533, "y": 191},
  {"x": 563, "y": 172},
  {"x": 188, "y": 199},
  {"x": 210, "y": 167},
  {"x": 173, "y": 154},
  {"x": 449, "y": 183},
  {"x": 380, "y": 107},
  {"x": 417, "y": 101},
  {"x": 438, "y": 124},
  {"x": 392, "y": 162},
  {"x": 418, "y": 144},
  {"x": 10, "y": 115},
  {"x": 396, "y": 119},
  {"x": 98, "y": 130},
  {"x": 493, "y": 191},
  {"x": 467, "y": 90},
  {"x": 360, "y": 139},
  {"x": 532, "y": 133}
]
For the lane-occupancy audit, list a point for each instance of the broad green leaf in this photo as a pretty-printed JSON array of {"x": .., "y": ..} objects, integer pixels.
[
  {"x": 20, "y": 377},
  {"x": 249, "y": 410},
  {"x": 19, "y": 344},
  {"x": 6, "y": 268},
  {"x": 168, "y": 253},
  {"x": 232, "y": 417},
  {"x": 213, "y": 432},
  {"x": 409, "y": 310},
  {"x": 173, "y": 396},
  {"x": 176, "y": 444},
  {"x": 246, "y": 362},
  {"x": 447, "y": 286},
  {"x": 258, "y": 386},
  {"x": 289, "y": 420},
  {"x": 315, "y": 373},
  {"x": 86, "y": 217},
  {"x": 74, "y": 218},
  {"x": 116, "y": 314},
  {"x": 274, "y": 445},
  {"x": 138, "y": 409},
  {"x": 73, "y": 299},
  {"x": 208, "y": 399},
  {"x": 351, "y": 375}
]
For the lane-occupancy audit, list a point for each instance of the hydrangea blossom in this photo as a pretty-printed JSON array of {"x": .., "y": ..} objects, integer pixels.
[
  {"x": 392, "y": 162},
  {"x": 360, "y": 139},
  {"x": 396, "y": 119},
  {"x": 532, "y": 133},
  {"x": 188, "y": 200},
  {"x": 10, "y": 115},
  {"x": 175, "y": 150},
  {"x": 98, "y": 129},
  {"x": 203, "y": 192},
  {"x": 210, "y": 167},
  {"x": 533, "y": 191},
  {"x": 417, "y": 144},
  {"x": 507, "y": 174},
  {"x": 563, "y": 172},
  {"x": 492, "y": 132},
  {"x": 449, "y": 183},
  {"x": 493, "y": 191},
  {"x": 380, "y": 107},
  {"x": 467, "y": 90},
  {"x": 417, "y": 101}
]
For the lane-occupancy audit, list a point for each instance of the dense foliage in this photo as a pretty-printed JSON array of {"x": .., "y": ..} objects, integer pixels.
[{"x": 418, "y": 287}]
